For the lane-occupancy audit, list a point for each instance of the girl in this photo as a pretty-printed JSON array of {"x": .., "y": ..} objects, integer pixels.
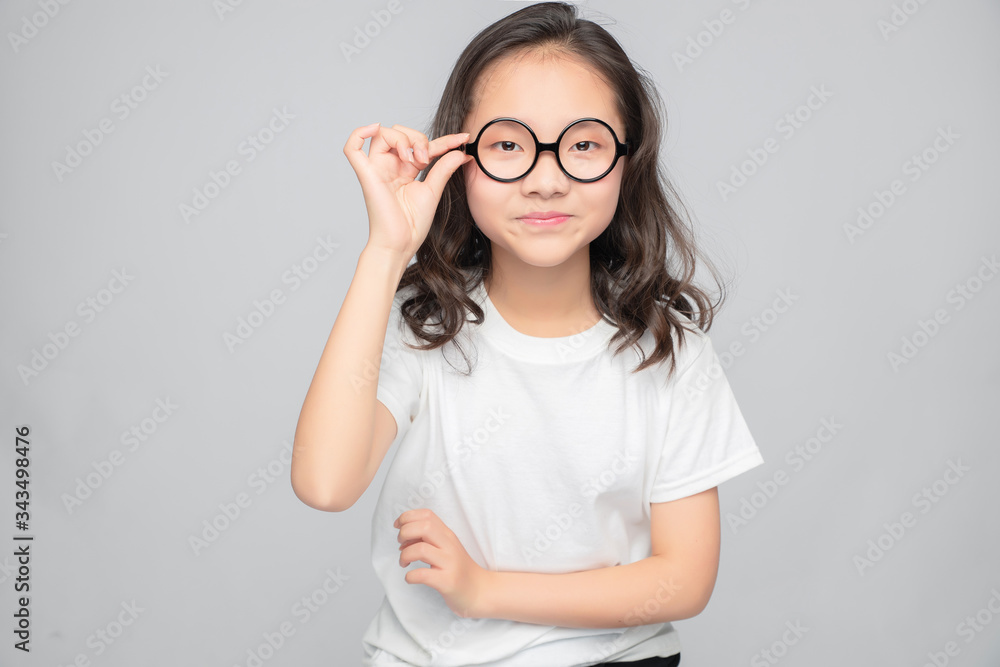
[{"x": 554, "y": 503}]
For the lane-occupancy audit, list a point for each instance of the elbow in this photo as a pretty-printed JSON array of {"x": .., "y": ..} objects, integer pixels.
[
  {"x": 697, "y": 601},
  {"x": 322, "y": 491},
  {"x": 320, "y": 496},
  {"x": 696, "y": 605},
  {"x": 684, "y": 606},
  {"x": 685, "y": 598},
  {"x": 320, "y": 502}
]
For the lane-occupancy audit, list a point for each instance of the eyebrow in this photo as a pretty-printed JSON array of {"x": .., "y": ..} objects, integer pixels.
[
  {"x": 537, "y": 134},
  {"x": 533, "y": 126}
]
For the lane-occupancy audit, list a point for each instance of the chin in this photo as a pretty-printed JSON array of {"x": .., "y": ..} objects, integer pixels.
[{"x": 542, "y": 257}]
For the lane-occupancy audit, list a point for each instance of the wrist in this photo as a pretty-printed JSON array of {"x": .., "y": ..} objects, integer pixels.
[
  {"x": 483, "y": 604},
  {"x": 393, "y": 260}
]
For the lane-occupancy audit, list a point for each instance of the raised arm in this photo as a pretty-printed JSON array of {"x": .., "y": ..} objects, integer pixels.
[
  {"x": 335, "y": 432},
  {"x": 332, "y": 455}
]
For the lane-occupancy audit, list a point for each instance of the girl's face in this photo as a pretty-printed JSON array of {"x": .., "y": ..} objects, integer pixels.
[{"x": 547, "y": 95}]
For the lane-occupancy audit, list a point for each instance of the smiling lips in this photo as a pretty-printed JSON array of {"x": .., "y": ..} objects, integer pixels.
[{"x": 545, "y": 218}]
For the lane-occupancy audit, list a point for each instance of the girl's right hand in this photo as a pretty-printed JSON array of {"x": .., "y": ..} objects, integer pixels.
[{"x": 400, "y": 208}]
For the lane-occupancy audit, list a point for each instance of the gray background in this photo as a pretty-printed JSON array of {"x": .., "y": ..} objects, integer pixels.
[{"x": 162, "y": 336}]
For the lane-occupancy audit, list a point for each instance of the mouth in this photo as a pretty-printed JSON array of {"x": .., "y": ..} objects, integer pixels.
[{"x": 545, "y": 219}]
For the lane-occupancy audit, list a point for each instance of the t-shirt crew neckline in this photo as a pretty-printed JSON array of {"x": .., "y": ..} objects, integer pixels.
[{"x": 561, "y": 349}]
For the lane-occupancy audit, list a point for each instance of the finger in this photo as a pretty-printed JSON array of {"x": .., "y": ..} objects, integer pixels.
[
  {"x": 356, "y": 141},
  {"x": 410, "y": 532},
  {"x": 423, "y": 552},
  {"x": 422, "y": 530},
  {"x": 443, "y": 144},
  {"x": 443, "y": 169},
  {"x": 389, "y": 139},
  {"x": 408, "y": 516},
  {"x": 425, "y": 152},
  {"x": 418, "y": 141}
]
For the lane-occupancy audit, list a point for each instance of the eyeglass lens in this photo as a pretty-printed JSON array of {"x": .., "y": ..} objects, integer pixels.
[{"x": 507, "y": 150}]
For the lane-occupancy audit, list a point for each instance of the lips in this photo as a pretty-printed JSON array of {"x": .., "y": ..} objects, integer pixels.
[
  {"x": 544, "y": 215},
  {"x": 544, "y": 222}
]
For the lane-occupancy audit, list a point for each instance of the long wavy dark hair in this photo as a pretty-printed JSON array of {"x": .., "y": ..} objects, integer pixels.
[{"x": 642, "y": 265}]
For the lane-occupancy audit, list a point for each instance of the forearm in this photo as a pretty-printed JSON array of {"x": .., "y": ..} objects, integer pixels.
[{"x": 652, "y": 590}]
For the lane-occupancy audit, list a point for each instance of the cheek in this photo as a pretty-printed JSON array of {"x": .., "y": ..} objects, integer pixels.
[
  {"x": 468, "y": 170},
  {"x": 477, "y": 194},
  {"x": 607, "y": 198},
  {"x": 482, "y": 191},
  {"x": 473, "y": 182}
]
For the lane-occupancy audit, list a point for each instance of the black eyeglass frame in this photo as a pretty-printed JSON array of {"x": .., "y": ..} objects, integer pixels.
[{"x": 621, "y": 149}]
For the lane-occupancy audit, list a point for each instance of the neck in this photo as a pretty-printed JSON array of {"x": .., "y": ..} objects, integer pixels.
[{"x": 547, "y": 302}]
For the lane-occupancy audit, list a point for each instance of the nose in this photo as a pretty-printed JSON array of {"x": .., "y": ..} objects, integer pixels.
[{"x": 546, "y": 177}]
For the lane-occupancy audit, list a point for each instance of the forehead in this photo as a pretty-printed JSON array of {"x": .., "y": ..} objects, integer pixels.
[{"x": 546, "y": 91}]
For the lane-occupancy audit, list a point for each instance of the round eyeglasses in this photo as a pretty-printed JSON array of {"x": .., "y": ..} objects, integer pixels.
[{"x": 506, "y": 149}]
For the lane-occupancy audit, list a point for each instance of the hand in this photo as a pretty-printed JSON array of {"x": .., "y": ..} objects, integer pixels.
[
  {"x": 400, "y": 208},
  {"x": 452, "y": 572}
]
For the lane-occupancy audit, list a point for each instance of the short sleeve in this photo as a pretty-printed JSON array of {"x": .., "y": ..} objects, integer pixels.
[
  {"x": 400, "y": 375},
  {"x": 707, "y": 440}
]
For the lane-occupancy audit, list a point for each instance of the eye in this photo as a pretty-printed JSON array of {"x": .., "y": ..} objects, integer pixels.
[
  {"x": 582, "y": 143},
  {"x": 506, "y": 145}
]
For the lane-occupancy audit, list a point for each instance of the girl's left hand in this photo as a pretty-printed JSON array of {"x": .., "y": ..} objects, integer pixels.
[{"x": 423, "y": 536}]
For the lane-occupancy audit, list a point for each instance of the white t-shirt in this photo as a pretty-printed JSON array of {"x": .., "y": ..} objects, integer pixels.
[{"x": 545, "y": 459}]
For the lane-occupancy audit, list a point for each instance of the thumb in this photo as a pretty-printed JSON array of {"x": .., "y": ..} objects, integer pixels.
[{"x": 438, "y": 175}]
